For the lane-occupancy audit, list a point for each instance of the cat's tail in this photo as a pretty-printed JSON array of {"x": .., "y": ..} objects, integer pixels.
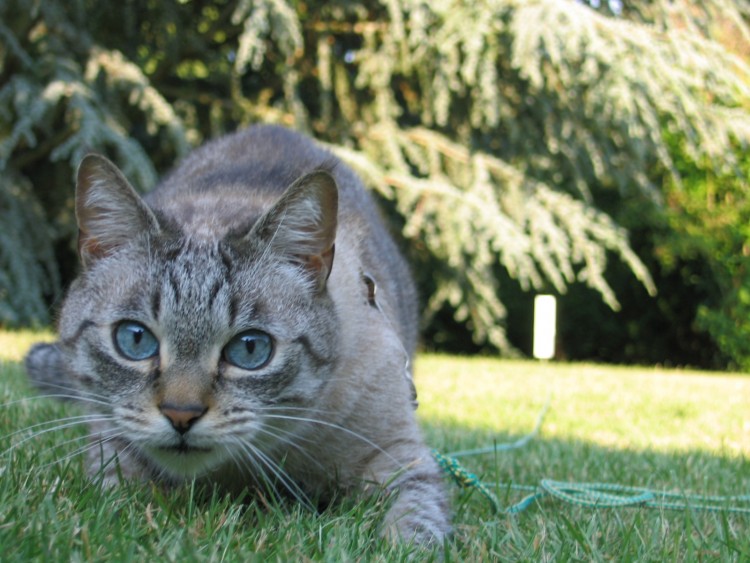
[{"x": 44, "y": 364}]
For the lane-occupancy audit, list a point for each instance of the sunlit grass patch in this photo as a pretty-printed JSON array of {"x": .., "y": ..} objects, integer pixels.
[{"x": 634, "y": 408}]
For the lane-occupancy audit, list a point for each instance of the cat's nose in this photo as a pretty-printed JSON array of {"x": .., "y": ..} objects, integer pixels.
[{"x": 182, "y": 417}]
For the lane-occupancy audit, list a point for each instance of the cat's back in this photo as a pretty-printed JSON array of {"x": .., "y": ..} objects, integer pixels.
[{"x": 235, "y": 178}]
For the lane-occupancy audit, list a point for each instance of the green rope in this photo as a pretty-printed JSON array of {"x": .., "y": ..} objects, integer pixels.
[
  {"x": 465, "y": 479},
  {"x": 608, "y": 495},
  {"x": 592, "y": 495}
]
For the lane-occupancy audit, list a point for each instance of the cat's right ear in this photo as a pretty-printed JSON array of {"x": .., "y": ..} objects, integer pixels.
[
  {"x": 109, "y": 212},
  {"x": 301, "y": 226}
]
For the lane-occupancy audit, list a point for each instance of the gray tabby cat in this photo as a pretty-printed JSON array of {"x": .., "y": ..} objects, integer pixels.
[{"x": 214, "y": 335}]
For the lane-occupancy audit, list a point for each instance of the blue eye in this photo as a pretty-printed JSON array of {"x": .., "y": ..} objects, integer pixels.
[
  {"x": 134, "y": 341},
  {"x": 249, "y": 350}
]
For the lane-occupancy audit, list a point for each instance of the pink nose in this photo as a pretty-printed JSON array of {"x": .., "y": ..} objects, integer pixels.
[{"x": 182, "y": 417}]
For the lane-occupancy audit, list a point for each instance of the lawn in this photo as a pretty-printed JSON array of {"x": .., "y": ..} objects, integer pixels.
[{"x": 681, "y": 431}]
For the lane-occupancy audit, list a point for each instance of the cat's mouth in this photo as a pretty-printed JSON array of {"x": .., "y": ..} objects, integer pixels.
[
  {"x": 184, "y": 448},
  {"x": 185, "y": 460}
]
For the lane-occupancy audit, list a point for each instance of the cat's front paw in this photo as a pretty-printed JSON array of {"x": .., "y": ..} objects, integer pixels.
[
  {"x": 428, "y": 527},
  {"x": 419, "y": 513}
]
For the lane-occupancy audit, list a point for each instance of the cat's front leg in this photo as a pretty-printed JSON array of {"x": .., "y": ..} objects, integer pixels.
[
  {"x": 113, "y": 460},
  {"x": 419, "y": 510}
]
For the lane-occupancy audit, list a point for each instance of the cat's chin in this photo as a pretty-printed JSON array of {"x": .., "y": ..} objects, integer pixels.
[{"x": 183, "y": 462}]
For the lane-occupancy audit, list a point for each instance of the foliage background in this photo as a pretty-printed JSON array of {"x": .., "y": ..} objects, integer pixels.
[{"x": 513, "y": 143}]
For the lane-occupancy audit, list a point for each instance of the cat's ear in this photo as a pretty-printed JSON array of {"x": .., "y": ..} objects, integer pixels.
[
  {"x": 110, "y": 213},
  {"x": 301, "y": 226}
]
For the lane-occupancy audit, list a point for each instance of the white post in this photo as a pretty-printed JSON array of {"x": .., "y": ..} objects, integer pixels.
[{"x": 545, "y": 320}]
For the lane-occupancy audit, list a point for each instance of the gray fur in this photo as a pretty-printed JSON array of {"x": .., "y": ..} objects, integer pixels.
[{"x": 241, "y": 236}]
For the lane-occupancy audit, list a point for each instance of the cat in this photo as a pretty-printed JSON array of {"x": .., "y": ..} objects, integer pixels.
[{"x": 249, "y": 321}]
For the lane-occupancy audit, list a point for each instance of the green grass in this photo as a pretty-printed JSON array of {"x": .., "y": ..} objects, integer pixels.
[{"x": 668, "y": 430}]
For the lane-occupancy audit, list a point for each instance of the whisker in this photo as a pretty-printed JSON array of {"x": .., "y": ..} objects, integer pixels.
[
  {"x": 335, "y": 426},
  {"x": 57, "y": 396},
  {"x": 76, "y": 393},
  {"x": 246, "y": 462},
  {"x": 282, "y": 477},
  {"x": 73, "y": 398},
  {"x": 285, "y": 480},
  {"x": 249, "y": 465},
  {"x": 54, "y": 425},
  {"x": 80, "y": 418},
  {"x": 103, "y": 463},
  {"x": 72, "y": 388},
  {"x": 89, "y": 436},
  {"x": 310, "y": 410},
  {"x": 288, "y": 440},
  {"x": 88, "y": 446}
]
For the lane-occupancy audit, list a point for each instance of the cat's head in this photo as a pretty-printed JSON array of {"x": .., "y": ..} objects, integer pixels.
[{"x": 199, "y": 344}]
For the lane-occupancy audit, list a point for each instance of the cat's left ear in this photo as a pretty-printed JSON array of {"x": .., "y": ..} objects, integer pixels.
[
  {"x": 301, "y": 226},
  {"x": 109, "y": 212}
]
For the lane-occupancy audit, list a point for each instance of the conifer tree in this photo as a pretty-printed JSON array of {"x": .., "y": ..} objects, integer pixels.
[{"x": 494, "y": 128}]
